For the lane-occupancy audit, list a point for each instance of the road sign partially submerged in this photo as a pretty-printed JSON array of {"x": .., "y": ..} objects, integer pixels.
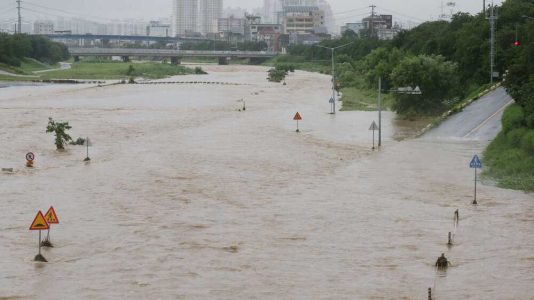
[
  {"x": 475, "y": 163},
  {"x": 332, "y": 100},
  {"x": 297, "y": 117},
  {"x": 51, "y": 217},
  {"x": 30, "y": 156},
  {"x": 373, "y": 126},
  {"x": 39, "y": 223}
]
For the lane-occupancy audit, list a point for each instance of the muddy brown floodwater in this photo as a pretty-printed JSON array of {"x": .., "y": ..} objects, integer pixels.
[{"x": 188, "y": 198}]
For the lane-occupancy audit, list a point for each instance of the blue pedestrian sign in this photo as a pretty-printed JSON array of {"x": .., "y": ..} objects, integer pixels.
[{"x": 475, "y": 163}]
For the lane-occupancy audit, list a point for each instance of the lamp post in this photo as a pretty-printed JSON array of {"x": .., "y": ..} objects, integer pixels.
[{"x": 333, "y": 49}]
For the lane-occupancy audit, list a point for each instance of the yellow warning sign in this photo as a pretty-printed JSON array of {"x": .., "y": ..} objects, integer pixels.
[
  {"x": 39, "y": 223},
  {"x": 51, "y": 217}
]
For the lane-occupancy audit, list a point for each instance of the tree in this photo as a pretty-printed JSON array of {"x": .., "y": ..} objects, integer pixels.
[
  {"x": 437, "y": 79},
  {"x": 59, "y": 129}
]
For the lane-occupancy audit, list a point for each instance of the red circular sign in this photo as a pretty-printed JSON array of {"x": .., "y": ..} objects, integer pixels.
[{"x": 30, "y": 156}]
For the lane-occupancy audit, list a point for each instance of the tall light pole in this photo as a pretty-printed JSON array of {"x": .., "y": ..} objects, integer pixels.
[
  {"x": 334, "y": 73},
  {"x": 19, "y": 19},
  {"x": 492, "y": 19}
]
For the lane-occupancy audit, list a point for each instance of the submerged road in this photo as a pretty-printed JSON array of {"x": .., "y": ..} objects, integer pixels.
[{"x": 479, "y": 121}]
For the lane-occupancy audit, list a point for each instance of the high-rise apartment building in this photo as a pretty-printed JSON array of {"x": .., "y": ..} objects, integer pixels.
[
  {"x": 270, "y": 10},
  {"x": 185, "y": 17},
  {"x": 210, "y": 12}
]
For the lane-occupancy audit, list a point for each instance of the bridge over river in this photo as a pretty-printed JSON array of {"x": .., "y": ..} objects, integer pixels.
[{"x": 174, "y": 55}]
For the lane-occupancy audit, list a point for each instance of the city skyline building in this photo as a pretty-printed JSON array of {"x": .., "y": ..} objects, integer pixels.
[
  {"x": 210, "y": 12},
  {"x": 184, "y": 17}
]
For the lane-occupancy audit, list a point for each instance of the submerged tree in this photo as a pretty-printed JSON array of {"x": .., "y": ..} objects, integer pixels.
[{"x": 59, "y": 128}]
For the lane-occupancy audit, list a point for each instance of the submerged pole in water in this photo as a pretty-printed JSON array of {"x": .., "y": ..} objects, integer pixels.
[
  {"x": 87, "y": 142},
  {"x": 449, "y": 243},
  {"x": 475, "y": 201},
  {"x": 429, "y": 293}
]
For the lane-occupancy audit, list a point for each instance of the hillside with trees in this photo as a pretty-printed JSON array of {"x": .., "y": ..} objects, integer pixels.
[{"x": 15, "y": 48}]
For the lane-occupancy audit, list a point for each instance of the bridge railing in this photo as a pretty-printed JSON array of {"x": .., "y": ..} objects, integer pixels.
[{"x": 165, "y": 52}]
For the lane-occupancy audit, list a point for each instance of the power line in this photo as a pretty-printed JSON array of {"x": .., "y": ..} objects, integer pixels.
[
  {"x": 401, "y": 14},
  {"x": 350, "y": 10},
  {"x": 67, "y": 13}
]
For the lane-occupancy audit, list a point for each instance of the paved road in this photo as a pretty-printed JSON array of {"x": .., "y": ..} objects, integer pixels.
[
  {"x": 62, "y": 66},
  {"x": 479, "y": 121}
]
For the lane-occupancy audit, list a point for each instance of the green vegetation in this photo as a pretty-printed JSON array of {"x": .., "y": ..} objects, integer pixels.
[
  {"x": 200, "y": 71},
  {"x": 27, "y": 67},
  {"x": 355, "y": 98},
  {"x": 437, "y": 79},
  {"x": 117, "y": 70},
  {"x": 449, "y": 61},
  {"x": 510, "y": 156},
  {"x": 14, "y": 48},
  {"x": 59, "y": 129},
  {"x": 300, "y": 63},
  {"x": 276, "y": 75}
]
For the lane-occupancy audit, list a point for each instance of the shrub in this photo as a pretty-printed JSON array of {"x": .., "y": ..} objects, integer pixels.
[
  {"x": 59, "y": 129},
  {"x": 131, "y": 70},
  {"x": 515, "y": 136},
  {"x": 512, "y": 118},
  {"x": 276, "y": 75},
  {"x": 198, "y": 70},
  {"x": 527, "y": 142}
]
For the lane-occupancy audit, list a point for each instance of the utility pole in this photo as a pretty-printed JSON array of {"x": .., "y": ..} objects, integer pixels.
[
  {"x": 492, "y": 19},
  {"x": 20, "y": 18},
  {"x": 484, "y": 7},
  {"x": 372, "y": 25},
  {"x": 334, "y": 73},
  {"x": 379, "y": 111}
]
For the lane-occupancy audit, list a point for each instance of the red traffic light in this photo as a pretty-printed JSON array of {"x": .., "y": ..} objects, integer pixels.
[{"x": 517, "y": 44}]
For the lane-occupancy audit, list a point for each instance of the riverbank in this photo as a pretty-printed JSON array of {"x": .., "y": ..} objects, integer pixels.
[
  {"x": 105, "y": 70},
  {"x": 510, "y": 157}
]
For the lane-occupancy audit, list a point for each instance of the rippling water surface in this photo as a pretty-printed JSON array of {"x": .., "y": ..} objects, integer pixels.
[{"x": 187, "y": 197}]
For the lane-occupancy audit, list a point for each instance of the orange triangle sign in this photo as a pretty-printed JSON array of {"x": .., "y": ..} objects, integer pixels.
[
  {"x": 51, "y": 217},
  {"x": 39, "y": 223},
  {"x": 297, "y": 117}
]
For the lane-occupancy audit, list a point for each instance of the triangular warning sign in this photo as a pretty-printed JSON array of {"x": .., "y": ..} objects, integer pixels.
[
  {"x": 51, "y": 217},
  {"x": 39, "y": 223},
  {"x": 373, "y": 126},
  {"x": 297, "y": 117}
]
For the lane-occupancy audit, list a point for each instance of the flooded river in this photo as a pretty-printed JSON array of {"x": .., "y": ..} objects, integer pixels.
[{"x": 186, "y": 197}]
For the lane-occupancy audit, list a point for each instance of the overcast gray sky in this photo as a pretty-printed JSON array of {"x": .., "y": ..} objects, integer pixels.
[{"x": 345, "y": 10}]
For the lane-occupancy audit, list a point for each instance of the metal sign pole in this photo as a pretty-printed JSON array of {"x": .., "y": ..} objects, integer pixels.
[
  {"x": 373, "y": 139},
  {"x": 379, "y": 111},
  {"x": 39, "y": 242},
  {"x": 475, "y": 201}
]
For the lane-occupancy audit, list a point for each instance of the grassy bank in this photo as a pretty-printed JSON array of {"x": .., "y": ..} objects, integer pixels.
[
  {"x": 96, "y": 70},
  {"x": 27, "y": 67},
  {"x": 510, "y": 157},
  {"x": 117, "y": 70}
]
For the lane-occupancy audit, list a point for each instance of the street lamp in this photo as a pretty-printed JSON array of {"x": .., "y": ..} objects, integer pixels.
[{"x": 333, "y": 99}]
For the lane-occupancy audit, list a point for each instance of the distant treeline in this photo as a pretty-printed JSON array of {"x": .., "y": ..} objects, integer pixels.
[
  {"x": 15, "y": 47},
  {"x": 448, "y": 60}
]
